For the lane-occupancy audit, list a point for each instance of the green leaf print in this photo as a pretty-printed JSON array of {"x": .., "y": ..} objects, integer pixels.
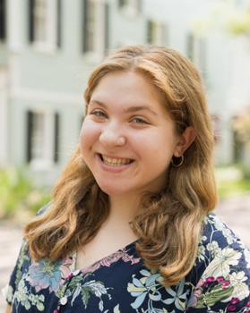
[
  {"x": 75, "y": 281},
  {"x": 213, "y": 296},
  {"x": 27, "y": 299},
  {"x": 61, "y": 291},
  {"x": 85, "y": 296},
  {"x": 22, "y": 258}
]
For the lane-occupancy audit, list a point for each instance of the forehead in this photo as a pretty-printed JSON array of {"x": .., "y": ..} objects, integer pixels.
[{"x": 128, "y": 87}]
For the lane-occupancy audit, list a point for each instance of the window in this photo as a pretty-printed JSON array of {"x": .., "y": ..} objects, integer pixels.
[
  {"x": 42, "y": 138},
  {"x": 132, "y": 7},
  {"x": 156, "y": 32},
  {"x": 2, "y": 19},
  {"x": 45, "y": 23},
  {"x": 95, "y": 27}
]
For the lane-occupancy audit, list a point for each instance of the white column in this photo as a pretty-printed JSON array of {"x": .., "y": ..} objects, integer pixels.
[{"x": 14, "y": 24}]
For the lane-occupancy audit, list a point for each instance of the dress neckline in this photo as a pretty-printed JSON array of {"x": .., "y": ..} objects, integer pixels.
[{"x": 105, "y": 261}]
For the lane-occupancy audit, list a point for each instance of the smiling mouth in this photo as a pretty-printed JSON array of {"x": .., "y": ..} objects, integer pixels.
[{"x": 115, "y": 161}]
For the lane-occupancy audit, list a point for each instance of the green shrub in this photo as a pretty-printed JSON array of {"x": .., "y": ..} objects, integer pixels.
[{"x": 18, "y": 194}]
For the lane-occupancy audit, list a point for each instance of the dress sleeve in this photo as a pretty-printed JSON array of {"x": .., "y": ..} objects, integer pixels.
[
  {"x": 18, "y": 272},
  {"x": 225, "y": 284}
]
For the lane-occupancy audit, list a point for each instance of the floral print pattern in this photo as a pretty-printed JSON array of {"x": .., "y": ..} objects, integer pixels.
[{"x": 218, "y": 283}]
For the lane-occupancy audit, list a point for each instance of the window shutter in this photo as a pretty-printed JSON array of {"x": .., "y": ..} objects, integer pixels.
[
  {"x": 107, "y": 28},
  {"x": 57, "y": 135},
  {"x": 121, "y": 3},
  {"x": 31, "y": 4},
  {"x": 2, "y": 19},
  {"x": 29, "y": 124},
  {"x": 190, "y": 46},
  {"x": 59, "y": 23},
  {"x": 85, "y": 29},
  {"x": 149, "y": 31},
  {"x": 165, "y": 34}
]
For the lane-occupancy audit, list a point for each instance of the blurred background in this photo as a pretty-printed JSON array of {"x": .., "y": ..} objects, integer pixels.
[{"x": 47, "y": 50}]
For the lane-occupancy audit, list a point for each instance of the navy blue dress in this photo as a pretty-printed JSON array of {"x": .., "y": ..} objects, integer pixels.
[{"x": 219, "y": 281}]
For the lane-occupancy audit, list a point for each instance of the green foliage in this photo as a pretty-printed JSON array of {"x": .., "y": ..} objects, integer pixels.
[
  {"x": 232, "y": 181},
  {"x": 18, "y": 194},
  {"x": 239, "y": 23},
  {"x": 230, "y": 188}
]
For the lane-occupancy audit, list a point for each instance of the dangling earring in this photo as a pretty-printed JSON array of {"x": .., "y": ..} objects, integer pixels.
[{"x": 179, "y": 162}]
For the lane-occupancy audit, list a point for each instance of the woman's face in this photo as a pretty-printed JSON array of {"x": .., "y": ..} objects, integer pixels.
[{"x": 127, "y": 137}]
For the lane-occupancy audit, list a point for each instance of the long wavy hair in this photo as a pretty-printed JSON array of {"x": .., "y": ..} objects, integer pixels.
[{"x": 169, "y": 223}]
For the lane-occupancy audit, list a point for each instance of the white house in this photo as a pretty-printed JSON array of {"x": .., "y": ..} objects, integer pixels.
[{"x": 49, "y": 47}]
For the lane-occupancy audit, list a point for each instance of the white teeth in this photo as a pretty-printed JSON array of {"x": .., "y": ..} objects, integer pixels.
[{"x": 115, "y": 161}]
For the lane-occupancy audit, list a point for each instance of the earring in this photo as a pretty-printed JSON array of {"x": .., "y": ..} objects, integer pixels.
[{"x": 179, "y": 162}]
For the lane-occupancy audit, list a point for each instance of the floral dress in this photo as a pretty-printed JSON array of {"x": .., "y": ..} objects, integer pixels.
[{"x": 219, "y": 281}]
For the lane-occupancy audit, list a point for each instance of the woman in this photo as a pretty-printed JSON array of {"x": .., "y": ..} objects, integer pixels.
[{"x": 129, "y": 228}]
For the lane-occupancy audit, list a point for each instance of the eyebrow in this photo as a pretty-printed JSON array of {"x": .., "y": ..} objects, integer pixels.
[{"x": 128, "y": 110}]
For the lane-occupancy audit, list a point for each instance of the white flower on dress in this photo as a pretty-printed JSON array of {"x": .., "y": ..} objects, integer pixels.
[
  {"x": 97, "y": 287},
  {"x": 228, "y": 234},
  {"x": 203, "y": 238},
  {"x": 225, "y": 258},
  {"x": 213, "y": 247},
  {"x": 247, "y": 257},
  {"x": 219, "y": 225},
  {"x": 241, "y": 290},
  {"x": 201, "y": 253}
]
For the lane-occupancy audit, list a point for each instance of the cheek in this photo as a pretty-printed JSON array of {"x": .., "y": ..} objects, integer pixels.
[
  {"x": 156, "y": 145},
  {"x": 89, "y": 135}
]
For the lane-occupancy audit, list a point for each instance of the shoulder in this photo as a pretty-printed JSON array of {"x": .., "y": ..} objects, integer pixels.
[
  {"x": 220, "y": 250},
  {"x": 222, "y": 268},
  {"x": 217, "y": 232},
  {"x": 219, "y": 241}
]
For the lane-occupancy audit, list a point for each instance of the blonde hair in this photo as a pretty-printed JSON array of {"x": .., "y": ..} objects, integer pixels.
[{"x": 169, "y": 224}]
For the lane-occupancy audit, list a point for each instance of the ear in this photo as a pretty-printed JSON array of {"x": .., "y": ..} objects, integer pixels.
[{"x": 185, "y": 141}]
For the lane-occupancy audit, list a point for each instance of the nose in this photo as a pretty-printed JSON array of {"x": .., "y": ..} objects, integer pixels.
[{"x": 112, "y": 135}]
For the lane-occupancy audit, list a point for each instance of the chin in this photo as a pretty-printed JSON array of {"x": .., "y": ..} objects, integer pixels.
[{"x": 112, "y": 190}]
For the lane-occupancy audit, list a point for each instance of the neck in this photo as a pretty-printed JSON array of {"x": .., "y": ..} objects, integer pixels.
[
  {"x": 122, "y": 212},
  {"x": 123, "y": 208}
]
